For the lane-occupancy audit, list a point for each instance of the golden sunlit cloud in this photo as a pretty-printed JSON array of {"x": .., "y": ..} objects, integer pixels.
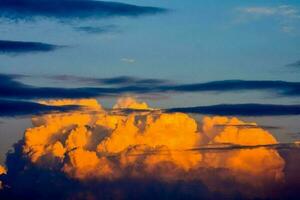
[
  {"x": 2, "y": 172},
  {"x": 96, "y": 144}
]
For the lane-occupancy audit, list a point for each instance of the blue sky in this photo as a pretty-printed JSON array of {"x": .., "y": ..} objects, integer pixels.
[{"x": 195, "y": 41}]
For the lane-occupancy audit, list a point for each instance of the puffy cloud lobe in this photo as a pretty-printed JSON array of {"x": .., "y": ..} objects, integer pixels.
[
  {"x": 2, "y": 172},
  {"x": 100, "y": 146},
  {"x": 130, "y": 103}
]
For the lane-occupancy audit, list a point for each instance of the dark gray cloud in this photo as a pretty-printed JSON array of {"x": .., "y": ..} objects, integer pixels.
[
  {"x": 284, "y": 88},
  {"x": 12, "y": 88},
  {"x": 139, "y": 85},
  {"x": 118, "y": 80},
  {"x": 230, "y": 147},
  {"x": 253, "y": 126},
  {"x": 98, "y": 29},
  {"x": 21, "y": 47},
  {"x": 70, "y": 9},
  {"x": 242, "y": 109},
  {"x": 294, "y": 64},
  {"x": 12, "y": 108}
]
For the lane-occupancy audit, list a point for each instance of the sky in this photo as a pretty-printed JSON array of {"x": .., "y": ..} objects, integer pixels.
[{"x": 201, "y": 57}]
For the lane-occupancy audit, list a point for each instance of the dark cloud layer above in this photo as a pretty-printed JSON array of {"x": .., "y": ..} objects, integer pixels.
[
  {"x": 284, "y": 88},
  {"x": 70, "y": 9},
  {"x": 242, "y": 109},
  {"x": 21, "y": 47},
  {"x": 11, "y": 108},
  {"x": 11, "y": 88},
  {"x": 118, "y": 80},
  {"x": 277, "y": 87}
]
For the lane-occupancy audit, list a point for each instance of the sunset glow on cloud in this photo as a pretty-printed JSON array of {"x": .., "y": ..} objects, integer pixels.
[
  {"x": 149, "y": 100},
  {"x": 95, "y": 144}
]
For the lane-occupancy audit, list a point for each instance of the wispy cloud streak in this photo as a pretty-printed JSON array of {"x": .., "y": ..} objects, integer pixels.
[
  {"x": 70, "y": 9},
  {"x": 22, "y": 47}
]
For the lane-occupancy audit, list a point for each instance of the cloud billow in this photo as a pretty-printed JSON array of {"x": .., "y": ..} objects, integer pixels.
[{"x": 83, "y": 155}]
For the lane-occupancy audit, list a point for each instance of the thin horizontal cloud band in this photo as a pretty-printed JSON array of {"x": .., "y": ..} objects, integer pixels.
[
  {"x": 21, "y": 108},
  {"x": 241, "y": 110},
  {"x": 12, "y": 108},
  {"x": 71, "y": 9},
  {"x": 22, "y": 47},
  {"x": 11, "y": 88}
]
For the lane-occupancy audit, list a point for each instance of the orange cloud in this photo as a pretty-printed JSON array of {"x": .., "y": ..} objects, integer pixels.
[
  {"x": 97, "y": 144},
  {"x": 2, "y": 172}
]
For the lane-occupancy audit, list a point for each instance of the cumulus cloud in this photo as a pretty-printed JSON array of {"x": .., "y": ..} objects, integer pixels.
[
  {"x": 2, "y": 172},
  {"x": 95, "y": 153},
  {"x": 21, "y": 47}
]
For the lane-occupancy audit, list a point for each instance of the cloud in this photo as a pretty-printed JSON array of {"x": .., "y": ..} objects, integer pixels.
[
  {"x": 96, "y": 154},
  {"x": 278, "y": 87},
  {"x": 21, "y": 47},
  {"x": 12, "y": 108},
  {"x": 70, "y": 9},
  {"x": 294, "y": 64},
  {"x": 287, "y": 15},
  {"x": 98, "y": 29},
  {"x": 118, "y": 80},
  {"x": 242, "y": 110},
  {"x": 128, "y": 60},
  {"x": 283, "y": 10},
  {"x": 11, "y": 88}
]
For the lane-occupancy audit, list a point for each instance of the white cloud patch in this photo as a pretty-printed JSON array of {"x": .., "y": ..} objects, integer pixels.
[
  {"x": 128, "y": 60},
  {"x": 286, "y": 15},
  {"x": 283, "y": 10}
]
